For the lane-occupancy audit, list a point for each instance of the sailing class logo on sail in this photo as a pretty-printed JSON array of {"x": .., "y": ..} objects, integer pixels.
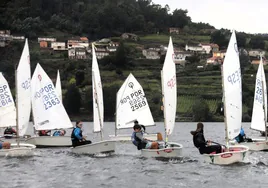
[
  {"x": 136, "y": 99},
  {"x": 4, "y": 96}
]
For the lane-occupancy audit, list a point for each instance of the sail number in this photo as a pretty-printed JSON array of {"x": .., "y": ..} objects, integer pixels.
[
  {"x": 5, "y": 98},
  {"x": 48, "y": 95},
  {"x": 172, "y": 82},
  {"x": 26, "y": 84},
  {"x": 258, "y": 91},
  {"x": 234, "y": 77},
  {"x": 136, "y": 100}
]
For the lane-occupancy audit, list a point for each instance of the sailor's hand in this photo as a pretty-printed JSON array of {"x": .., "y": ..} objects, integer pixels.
[{"x": 208, "y": 142}]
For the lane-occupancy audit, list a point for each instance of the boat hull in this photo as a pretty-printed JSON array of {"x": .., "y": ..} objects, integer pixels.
[
  {"x": 107, "y": 146},
  {"x": 50, "y": 141},
  {"x": 127, "y": 137},
  {"x": 24, "y": 150},
  {"x": 173, "y": 150},
  {"x": 235, "y": 154},
  {"x": 256, "y": 145}
]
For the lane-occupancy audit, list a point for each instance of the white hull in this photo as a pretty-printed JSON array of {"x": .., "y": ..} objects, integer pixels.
[
  {"x": 234, "y": 155},
  {"x": 256, "y": 145},
  {"x": 127, "y": 137},
  {"x": 107, "y": 146},
  {"x": 173, "y": 150},
  {"x": 25, "y": 150},
  {"x": 50, "y": 141}
]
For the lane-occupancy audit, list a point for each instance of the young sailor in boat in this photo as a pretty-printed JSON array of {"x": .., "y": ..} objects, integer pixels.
[
  {"x": 242, "y": 137},
  {"x": 4, "y": 145},
  {"x": 9, "y": 132},
  {"x": 44, "y": 133},
  {"x": 142, "y": 143},
  {"x": 61, "y": 132},
  {"x": 77, "y": 137},
  {"x": 203, "y": 146},
  {"x": 142, "y": 126}
]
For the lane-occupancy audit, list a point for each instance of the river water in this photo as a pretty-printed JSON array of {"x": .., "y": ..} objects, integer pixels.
[{"x": 60, "y": 168}]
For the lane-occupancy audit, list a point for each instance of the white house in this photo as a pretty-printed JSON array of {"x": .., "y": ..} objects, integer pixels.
[
  {"x": 47, "y": 39},
  {"x": 194, "y": 48},
  {"x": 151, "y": 53},
  {"x": 180, "y": 57},
  {"x": 256, "y": 53},
  {"x": 58, "y": 46}
]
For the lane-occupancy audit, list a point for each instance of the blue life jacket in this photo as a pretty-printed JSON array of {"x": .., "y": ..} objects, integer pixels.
[
  {"x": 56, "y": 133},
  {"x": 241, "y": 136},
  {"x": 137, "y": 142}
]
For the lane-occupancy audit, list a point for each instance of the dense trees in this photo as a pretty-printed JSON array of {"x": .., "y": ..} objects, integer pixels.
[{"x": 94, "y": 18}]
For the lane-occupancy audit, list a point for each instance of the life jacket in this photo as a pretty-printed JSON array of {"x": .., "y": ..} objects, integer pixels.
[
  {"x": 137, "y": 142},
  {"x": 73, "y": 137},
  {"x": 56, "y": 133},
  {"x": 9, "y": 131},
  {"x": 196, "y": 142}
]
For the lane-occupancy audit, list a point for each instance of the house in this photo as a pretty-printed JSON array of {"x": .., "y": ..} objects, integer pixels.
[
  {"x": 47, "y": 39},
  {"x": 43, "y": 44},
  {"x": 112, "y": 46},
  {"x": 195, "y": 48},
  {"x": 219, "y": 54},
  {"x": 20, "y": 38},
  {"x": 101, "y": 54},
  {"x": 151, "y": 53},
  {"x": 180, "y": 56},
  {"x": 214, "y": 60},
  {"x": 77, "y": 53},
  {"x": 174, "y": 30},
  {"x": 4, "y": 32},
  {"x": 81, "y": 42},
  {"x": 58, "y": 46},
  {"x": 208, "y": 47},
  {"x": 256, "y": 61},
  {"x": 256, "y": 53},
  {"x": 2, "y": 43},
  {"x": 130, "y": 36},
  {"x": 214, "y": 47}
]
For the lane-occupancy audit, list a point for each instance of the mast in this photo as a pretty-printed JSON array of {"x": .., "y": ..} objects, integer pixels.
[
  {"x": 263, "y": 101},
  {"x": 115, "y": 129},
  {"x": 163, "y": 101},
  {"x": 97, "y": 102},
  {"x": 224, "y": 108},
  {"x": 17, "y": 112}
]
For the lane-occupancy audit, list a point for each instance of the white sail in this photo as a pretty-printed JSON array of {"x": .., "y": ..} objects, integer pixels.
[
  {"x": 169, "y": 89},
  {"x": 131, "y": 105},
  {"x": 232, "y": 89},
  {"x": 23, "y": 86},
  {"x": 58, "y": 86},
  {"x": 97, "y": 94},
  {"x": 258, "y": 118},
  {"x": 48, "y": 110},
  {"x": 7, "y": 105}
]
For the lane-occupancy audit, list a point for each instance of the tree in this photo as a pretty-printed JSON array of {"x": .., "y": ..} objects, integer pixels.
[
  {"x": 256, "y": 42},
  {"x": 200, "y": 110},
  {"x": 120, "y": 55},
  {"x": 180, "y": 18},
  {"x": 218, "y": 37},
  {"x": 241, "y": 40},
  {"x": 72, "y": 100}
]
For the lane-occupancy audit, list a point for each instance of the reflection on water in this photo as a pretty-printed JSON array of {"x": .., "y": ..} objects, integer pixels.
[{"x": 60, "y": 168}]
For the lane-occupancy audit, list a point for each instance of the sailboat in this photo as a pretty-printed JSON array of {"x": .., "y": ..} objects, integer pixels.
[
  {"x": 48, "y": 111},
  {"x": 259, "y": 113},
  {"x": 58, "y": 86},
  {"x": 132, "y": 105},
  {"x": 232, "y": 92},
  {"x": 8, "y": 117},
  {"x": 169, "y": 93},
  {"x": 103, "y": 146}
]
